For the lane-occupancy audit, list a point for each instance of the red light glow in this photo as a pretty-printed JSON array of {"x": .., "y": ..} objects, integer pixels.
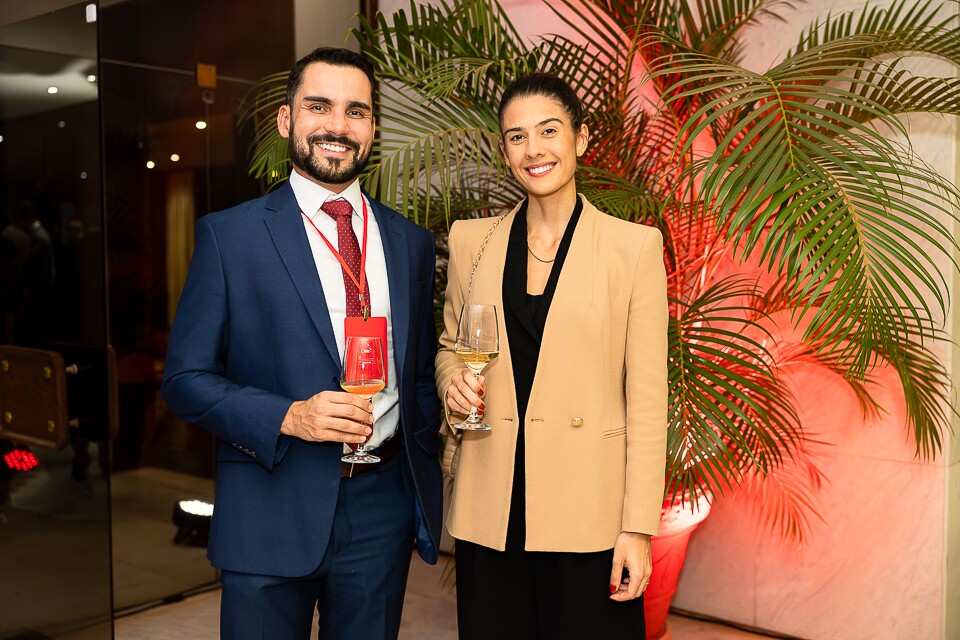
[{"x": 20, "y": 460}]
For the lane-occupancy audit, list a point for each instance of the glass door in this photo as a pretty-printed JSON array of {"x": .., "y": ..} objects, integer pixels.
[{"x": 56, "y": 368}]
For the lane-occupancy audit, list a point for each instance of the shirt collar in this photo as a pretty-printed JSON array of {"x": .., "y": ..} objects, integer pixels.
[{"x": 310, "y": 195}]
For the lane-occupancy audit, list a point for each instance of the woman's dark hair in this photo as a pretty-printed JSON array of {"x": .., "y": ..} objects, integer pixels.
[
  {"x": 549, "y": 86},
  {"x": 327, "y": 55}
]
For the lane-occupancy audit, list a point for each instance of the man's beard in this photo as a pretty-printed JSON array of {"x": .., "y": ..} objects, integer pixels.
[{"x": 327, "y": 170}]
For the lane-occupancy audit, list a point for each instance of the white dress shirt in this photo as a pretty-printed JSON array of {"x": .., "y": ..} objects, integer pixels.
[{"x": 386, "y": 409}]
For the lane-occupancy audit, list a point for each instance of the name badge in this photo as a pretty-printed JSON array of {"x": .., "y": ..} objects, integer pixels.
[{"x": 372, "y": 327}]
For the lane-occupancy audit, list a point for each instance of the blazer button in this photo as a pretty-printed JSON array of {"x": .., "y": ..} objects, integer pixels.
[{"x": 576, "y": 422}]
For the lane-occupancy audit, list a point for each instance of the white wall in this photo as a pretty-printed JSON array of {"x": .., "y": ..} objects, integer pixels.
[{"x": 323, "y": 23}]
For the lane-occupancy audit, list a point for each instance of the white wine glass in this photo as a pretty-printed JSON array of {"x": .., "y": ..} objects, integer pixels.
[
  {"x": 478, "y": 342},
  {"x": 362, "y": 375}
]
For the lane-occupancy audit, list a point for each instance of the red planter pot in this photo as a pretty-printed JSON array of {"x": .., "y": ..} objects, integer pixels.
[{"x": 669, "y": 550}]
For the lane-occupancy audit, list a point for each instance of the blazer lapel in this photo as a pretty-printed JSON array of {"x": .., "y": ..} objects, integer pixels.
[
  {"x": 285, "y": 225},
  {"x": 397, "y": 258},
  {"x": 574, "y": 288}
]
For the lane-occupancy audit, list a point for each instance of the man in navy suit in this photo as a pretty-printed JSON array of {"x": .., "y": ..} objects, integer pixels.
[{"x": 254, "y": 357}]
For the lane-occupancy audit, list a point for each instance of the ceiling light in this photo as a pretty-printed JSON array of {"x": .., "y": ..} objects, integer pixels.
[
  {"x": 62, "y": 124},
  {"x": 91, "y": 78},
  {"x": 52, "y": 90},
  {"x": 83, "y": 175},
  {"x": 151, "y": 164},
  {"x": 1, "y": 138},
  {"x": 174, "y": 157},
  {"x": 201, "y": 125}
]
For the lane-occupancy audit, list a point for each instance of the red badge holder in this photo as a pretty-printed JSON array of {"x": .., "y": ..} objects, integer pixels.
[{"x": 373, "y": 327}]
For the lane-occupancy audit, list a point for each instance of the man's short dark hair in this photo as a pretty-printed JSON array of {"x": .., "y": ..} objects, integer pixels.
[{"x": 328, "y": 55}]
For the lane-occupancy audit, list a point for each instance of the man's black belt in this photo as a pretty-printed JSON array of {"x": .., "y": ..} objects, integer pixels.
[{"x": 385, "y": 452}]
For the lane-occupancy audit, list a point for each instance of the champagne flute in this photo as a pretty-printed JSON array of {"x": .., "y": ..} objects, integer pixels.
[
  {"x": 362, "y": 375},
  {"x": 478, "y": 342}
]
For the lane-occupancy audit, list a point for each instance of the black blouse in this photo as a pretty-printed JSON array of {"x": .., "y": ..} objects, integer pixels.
[{"x": 525, "y": 317}]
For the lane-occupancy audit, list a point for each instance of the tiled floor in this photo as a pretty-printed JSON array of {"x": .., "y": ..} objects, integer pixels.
[
  {"x": 146, "y": 565},
  {"x": 429, "y": 614}
]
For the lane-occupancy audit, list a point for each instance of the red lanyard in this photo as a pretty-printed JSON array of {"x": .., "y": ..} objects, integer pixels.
[{"x": 362, "y": 288}]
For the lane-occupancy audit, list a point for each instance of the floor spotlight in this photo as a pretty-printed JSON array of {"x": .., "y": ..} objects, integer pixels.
[{"x": 192, "y": 518}]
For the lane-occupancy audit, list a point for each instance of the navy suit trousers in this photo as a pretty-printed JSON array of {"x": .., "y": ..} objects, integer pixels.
[{"x": 359, "y": 586}]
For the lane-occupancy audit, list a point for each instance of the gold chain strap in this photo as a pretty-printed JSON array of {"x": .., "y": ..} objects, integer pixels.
[
  {"x": 476, "y": 262},
  {"x": 451, "y": 447}
]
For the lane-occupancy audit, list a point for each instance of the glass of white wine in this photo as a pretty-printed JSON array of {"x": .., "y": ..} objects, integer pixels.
[
  {"x": 362, "y": 375},
  {"x": 478, "y": 342}
]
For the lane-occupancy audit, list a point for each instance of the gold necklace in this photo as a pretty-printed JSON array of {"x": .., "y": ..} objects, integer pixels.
[{"x": 538, "y": 259}]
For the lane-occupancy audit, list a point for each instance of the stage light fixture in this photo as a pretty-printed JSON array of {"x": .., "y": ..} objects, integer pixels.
[{"x": 192, "y": 518}]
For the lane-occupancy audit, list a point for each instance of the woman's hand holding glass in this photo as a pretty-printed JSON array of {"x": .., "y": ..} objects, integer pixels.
[
  {"x": 465, "y": 392},
  {"x": 478, "y": 343}
]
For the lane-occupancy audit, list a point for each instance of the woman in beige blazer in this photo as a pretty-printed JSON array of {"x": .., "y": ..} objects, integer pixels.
[{"x": 553, "y": 508}]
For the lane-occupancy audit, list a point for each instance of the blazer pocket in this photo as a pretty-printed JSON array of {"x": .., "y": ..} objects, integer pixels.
[{"x": 614, "y": 433}]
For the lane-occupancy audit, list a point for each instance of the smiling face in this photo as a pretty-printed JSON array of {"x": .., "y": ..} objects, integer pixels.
[
  {"x": 540, "y": 145},
  {"x": 330, "y": 124}
]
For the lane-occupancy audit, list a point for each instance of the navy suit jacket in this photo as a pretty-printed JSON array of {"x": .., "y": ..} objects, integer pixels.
[{"x": 251, "y": 336}]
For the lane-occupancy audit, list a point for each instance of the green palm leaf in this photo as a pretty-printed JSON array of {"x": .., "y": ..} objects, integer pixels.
[{"x": 728, "y": 411}]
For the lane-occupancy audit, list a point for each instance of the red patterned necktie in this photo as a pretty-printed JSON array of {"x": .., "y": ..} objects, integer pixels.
[{"x": 341, "y": 211}]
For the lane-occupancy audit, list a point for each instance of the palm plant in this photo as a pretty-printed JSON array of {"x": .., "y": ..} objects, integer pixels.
[{"x": 793, "y": 221}]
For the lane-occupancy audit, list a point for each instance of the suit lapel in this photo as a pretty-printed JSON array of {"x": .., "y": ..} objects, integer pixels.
[
  {"x": 285, "y": 226},
  {"x": 396, "y": 255}
]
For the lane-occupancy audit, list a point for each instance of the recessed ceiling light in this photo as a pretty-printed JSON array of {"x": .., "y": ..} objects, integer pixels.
[
  {"x": 201, "y": 125},
  {"x": 62, "y": 124},
  {"x": 151, "y": 164},
  {"x": 52, "y": 90},
  {"x": 1, "y": 138},
  {"x": 91, "y": 78},
  {"x": 83, "y": 175},
  {"x": 174, "y": 157}
]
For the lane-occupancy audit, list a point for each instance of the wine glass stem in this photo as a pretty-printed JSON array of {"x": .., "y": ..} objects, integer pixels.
[
  {"x": 361, "y": 447},
  {"x": 473, "y": 410}
]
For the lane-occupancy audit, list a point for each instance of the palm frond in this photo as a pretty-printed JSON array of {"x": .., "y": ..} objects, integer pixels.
[
  {"x": 810, "y": 201},
  {"x": 784, "y": 501},
  {"x": 899, "y": 18},
  {"x": 269, "y": 157},
  {"x": 728, "y": 411}
]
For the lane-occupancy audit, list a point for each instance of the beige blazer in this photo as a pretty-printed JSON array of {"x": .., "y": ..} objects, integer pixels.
[{"x": 595, "y": 455}]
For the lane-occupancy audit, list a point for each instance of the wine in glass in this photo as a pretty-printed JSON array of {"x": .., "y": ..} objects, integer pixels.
[
  {"x": 362, "y": 375},
  {"x": 478, "y": 342}
]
